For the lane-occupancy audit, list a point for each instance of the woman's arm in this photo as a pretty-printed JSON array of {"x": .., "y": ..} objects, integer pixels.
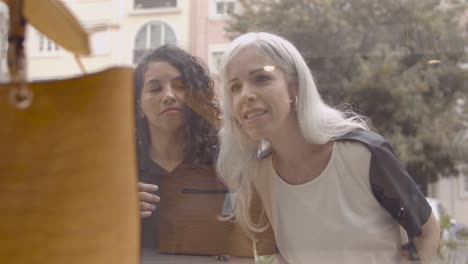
[{"x": 427, "y": 243}]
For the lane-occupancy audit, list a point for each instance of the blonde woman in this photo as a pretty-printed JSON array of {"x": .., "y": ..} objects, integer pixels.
[{"x": 332, "y": 190}]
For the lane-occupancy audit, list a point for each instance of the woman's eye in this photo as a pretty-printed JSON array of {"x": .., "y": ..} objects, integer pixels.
[
  {"x": 235, "y": 88},
  {"x": 178, "y": 84},
  {"x": 262, "y": 78},
  {"x": 155, "y": 89}
]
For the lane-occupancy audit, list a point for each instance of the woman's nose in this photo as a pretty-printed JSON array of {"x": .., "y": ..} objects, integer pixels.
[
  {"x": 248, "y": 93},
  {"x": 169, "y": 95}
]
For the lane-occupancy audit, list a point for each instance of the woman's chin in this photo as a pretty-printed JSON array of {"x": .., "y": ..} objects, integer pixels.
[{"x": 256, "y": 135}]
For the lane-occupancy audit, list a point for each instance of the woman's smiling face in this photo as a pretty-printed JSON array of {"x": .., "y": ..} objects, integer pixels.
[{"x": 260, "y": 93}]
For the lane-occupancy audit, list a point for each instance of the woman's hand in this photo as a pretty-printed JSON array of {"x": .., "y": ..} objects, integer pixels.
[{"x": 148, "y": 199}]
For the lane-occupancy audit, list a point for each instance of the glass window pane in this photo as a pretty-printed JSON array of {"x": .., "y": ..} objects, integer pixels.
[
  {"x": 155, "y": 35},
  {"x": 49, "y": 45},
  {"x": 169, "y": 35},
  {"x": 138, "y": 55},
  {"x": 140, "y": 41},
  {"x": 141, "y": 4},
  {"x": 393, "y": 61},
  {"x": 158, "y": 34},
  {"x": 170, "y": 3},
  {"x": 216, "y": 58},
  {"x": 219, "y": 7},
  {"x": 41, "y": 43},
  {"x": 230, "y": 7}
]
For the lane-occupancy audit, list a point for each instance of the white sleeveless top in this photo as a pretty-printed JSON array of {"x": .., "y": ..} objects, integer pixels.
[{"x": 328, "y": 219}]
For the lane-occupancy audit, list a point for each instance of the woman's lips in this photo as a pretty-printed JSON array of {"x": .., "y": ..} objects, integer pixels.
[{"x": 171, "y": 110}]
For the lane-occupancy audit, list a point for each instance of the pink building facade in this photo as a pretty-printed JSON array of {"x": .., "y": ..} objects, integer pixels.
[{"x": 208, "y": 39}]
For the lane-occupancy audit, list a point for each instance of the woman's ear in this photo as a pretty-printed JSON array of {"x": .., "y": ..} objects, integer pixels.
[
  {"x": 293, "y": 93},
  {"x": 293, "y": 89}
]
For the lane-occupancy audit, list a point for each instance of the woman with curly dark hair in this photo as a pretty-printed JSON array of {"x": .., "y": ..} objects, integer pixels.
[
  {"x": 181, "y": 197},
  {"x": 189, "y": 83}
]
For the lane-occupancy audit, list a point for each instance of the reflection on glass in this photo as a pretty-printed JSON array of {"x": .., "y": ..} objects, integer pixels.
[{"x": 401, "y": 63}]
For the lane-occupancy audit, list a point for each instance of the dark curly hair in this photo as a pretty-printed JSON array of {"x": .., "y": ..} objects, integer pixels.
[{"x": 202, "y": 111}]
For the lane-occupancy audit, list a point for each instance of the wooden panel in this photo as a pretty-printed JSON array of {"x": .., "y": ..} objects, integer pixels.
[{"x": 68, "y": 173}]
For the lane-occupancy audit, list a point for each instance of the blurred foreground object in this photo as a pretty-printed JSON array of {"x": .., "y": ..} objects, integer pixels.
[
  {"x": 67, "y": 162},
  {"x": 53, "y": 19}
]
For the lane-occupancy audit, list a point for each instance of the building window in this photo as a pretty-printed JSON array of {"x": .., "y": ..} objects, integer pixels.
[
  {"x": 215, "y": 52},
  {"x": 216, "y": 60},
  {"x": 45, "y": 46},
  {"x": 154, "y": 4},
  {"x": 151, "y": 36},
  {"x": 222, "y": 8},
  {"x": 225, "y": 7}
]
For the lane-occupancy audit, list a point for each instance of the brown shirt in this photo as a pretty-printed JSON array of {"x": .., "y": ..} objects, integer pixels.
[{"x": 186, "y": 219}]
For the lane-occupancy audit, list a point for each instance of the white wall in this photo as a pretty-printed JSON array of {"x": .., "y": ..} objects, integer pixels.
[{"x": 452, "y": 193}]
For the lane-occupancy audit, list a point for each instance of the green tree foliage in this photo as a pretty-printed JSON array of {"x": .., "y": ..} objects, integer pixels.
[{"x": 394, "y": 61}]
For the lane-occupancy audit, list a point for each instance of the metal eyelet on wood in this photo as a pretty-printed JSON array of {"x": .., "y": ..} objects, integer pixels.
[{"x": 21, "y": 97}]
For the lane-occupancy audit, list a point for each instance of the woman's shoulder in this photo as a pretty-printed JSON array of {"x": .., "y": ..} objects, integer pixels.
[
  {"x": 371, "y": 140},
  {"x": 363, "y": 135},
  {"x": 351, "y": 153}
]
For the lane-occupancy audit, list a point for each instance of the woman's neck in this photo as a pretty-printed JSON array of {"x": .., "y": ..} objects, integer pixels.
[
  {"x": 295, "y": 159},
  {"x": 166, "y": 146},
  {"x": 288, "y": 142},
  {"x": 290, "y": 146}
]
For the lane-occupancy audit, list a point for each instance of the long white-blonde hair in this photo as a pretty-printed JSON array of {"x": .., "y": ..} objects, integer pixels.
[{"x": 319, "y": 123}]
